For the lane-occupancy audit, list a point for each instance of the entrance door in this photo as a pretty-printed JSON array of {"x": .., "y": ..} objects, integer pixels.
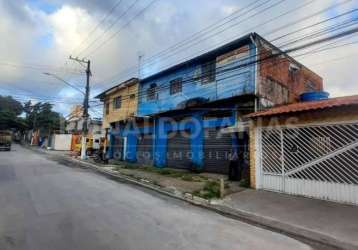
[
  {"x": 118, "y": 148},
  {"x": 217, "y": 151},
  {"x": 145, "y": 149},
  {"x": 179, "y": 150}
]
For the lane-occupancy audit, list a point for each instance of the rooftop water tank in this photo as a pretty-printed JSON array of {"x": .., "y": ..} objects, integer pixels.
[{"x": 314, "y": 96}]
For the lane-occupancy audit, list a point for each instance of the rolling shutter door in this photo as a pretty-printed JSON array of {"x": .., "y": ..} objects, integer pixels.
[
  {"x": 217, "y": 151},
  {"x": 179, "y": 150},
  {"x": 145, "y": 149},
  {"x": 118, "y": 148}
]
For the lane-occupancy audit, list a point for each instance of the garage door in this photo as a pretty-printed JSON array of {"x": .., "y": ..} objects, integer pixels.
[
  {"x": 145, "y": 149},
  {"x": 217, "y": 151},
  {"x": 118, "y": 148},
  {"x": 179, "y": 150},
  {"x": 315, "y": 161}
]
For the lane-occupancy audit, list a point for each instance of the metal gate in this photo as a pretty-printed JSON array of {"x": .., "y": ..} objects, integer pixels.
[
  {"x": 217, "y": 151},
  {"x": 145, "y": 149},
  {"x": 179, "y": 153},
  {"x": 319, "y": 161}
]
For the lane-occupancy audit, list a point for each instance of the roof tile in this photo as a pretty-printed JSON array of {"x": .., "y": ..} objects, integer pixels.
[{"x": 307, "y": 106}]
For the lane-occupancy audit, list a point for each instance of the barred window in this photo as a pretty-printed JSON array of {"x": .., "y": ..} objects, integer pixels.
[
  {"x": 152, "y": 92},
  {"x": 117, "y": 102},
  {"x": 208, "y": 72},
  {"x": 176, "y": 86},
  {"x": 107, "y": 108}
]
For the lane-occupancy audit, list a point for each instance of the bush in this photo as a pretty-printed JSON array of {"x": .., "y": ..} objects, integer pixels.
[
  {"x": 211, "y": 190},
  {"x": 165, "y": 172},
  {"x": 244, "y": 183}
]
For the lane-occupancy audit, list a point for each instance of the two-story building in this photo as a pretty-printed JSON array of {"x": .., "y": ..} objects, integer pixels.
[
  {"x": 183, "y": 112},
  {"x": 120, "y": 107}
]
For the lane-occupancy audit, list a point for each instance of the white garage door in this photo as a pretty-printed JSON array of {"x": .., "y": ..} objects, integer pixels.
[{"x": 316, "y": 161}]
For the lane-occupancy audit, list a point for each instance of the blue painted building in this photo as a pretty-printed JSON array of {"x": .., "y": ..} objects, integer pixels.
[{"x": 185, "y": 112}]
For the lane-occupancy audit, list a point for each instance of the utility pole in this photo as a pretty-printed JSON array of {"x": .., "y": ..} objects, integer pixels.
[{"x": 85, "y": 115}]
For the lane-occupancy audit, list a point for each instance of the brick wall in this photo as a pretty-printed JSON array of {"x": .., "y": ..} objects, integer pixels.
[
  {"x": 282, "y": 74},
  {"x": 252, "y": 145}
]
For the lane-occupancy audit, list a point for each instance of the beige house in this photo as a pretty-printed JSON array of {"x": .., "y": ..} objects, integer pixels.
[
  {"x": 308, "y": 149},
  {"x": 120, "y": 102}
]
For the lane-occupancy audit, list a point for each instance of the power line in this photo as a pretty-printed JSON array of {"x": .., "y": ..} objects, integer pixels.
[
  {"x": 96, "y": 49},
  {"x": 64, "y": 81},
  {"x": 203, "y": 38},
  {"x": 215, "y": 25},
  {"x": 306, "y": 27},
  {"x": 185, "y": 42},
  {"x": 257, "y": 61},
  {"x": 114, "y": 7},
  {"x": 275, "y": 30},
  {"x": 108, "y": 28},
  {"x": 40, "y": 67},
  {"x": 219, "y": 32}
]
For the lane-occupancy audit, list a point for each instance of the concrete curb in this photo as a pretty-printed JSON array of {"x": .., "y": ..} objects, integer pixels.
[{"x": 303, "y": 234}]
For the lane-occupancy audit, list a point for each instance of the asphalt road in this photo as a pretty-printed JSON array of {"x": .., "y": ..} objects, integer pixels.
[{"x": 48, "y": 206}]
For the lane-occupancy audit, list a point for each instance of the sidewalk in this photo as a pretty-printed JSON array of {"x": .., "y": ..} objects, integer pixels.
[{"x": 326, "y": 219}]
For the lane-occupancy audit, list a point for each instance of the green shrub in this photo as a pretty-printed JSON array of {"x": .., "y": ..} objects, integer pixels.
[
  {"x": 211, "y": 190},
  {"x": 244, "y": 183}
]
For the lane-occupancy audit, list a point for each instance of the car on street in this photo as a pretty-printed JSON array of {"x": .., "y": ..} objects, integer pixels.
[{"x": 5, "y": 140}]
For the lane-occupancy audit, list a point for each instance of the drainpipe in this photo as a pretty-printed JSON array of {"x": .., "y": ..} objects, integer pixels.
[{"x": 256, "y": 71}]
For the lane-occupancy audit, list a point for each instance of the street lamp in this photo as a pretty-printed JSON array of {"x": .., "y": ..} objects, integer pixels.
[{"x": 64, "y": 81}]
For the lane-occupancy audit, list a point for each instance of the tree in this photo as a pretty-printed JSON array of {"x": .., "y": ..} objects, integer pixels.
[
  {"x": 10, "y": 110},
  {"x": 41, "y": 116},
  {"x": 7, "y": 103}
]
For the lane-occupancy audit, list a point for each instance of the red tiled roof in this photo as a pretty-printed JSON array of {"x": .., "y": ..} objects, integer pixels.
[{"x": 307, "y": 106}]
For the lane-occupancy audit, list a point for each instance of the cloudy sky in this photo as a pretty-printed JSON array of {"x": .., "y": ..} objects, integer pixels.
[{"x": 38, "y": 36}]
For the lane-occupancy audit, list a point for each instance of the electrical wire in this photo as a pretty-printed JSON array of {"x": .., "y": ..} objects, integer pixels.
[
  {"x": 135, "y": 68},
  {"x": 96, "y": 49},
  {"x": 306, "y": 27},
  {"x": 109, "y": 28},
  {"x": 301, "y": 47},
  {"x": 207, "y": 29},
  {"x": 109, "y": 13},
  {"x": 40, "y": 67}
]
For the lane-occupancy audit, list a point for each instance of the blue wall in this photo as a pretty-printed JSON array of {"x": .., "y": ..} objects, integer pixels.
[
  {"x": 162, "y": 127},
  {"x": 227, "y": 84}
]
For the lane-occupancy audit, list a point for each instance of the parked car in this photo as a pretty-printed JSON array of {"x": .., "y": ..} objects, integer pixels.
[{"x": 5, "y": 140}]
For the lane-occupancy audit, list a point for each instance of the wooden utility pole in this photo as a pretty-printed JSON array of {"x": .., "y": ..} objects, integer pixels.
[{"x": 85, "y": 115}]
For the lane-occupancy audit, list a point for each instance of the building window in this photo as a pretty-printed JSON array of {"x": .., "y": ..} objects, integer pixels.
[
  {"x": 176, "y": 86},
  {"x": 208, "y": 72},
  {"x": 107, "y": 108},
  {"x": 310, "y": 86},
  {"x": 152, "y": 92},
  {"x": 117, "y": 102},
  {"x": 132, "y": 96}
]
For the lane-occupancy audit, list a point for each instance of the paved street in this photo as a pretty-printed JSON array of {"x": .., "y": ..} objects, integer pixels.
[{"x": 48, "y": 206}]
